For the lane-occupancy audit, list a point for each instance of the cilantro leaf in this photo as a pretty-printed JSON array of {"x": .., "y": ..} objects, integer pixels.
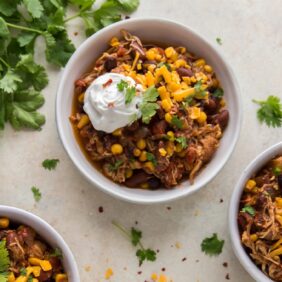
[
  {"x": 36, "y": 193},
  {"x": 167, "y": 65},
  {"x": 270, "y": 111},
  {"x": 136, "y": 236},
  {"x": 34, "y": 7},
  {"x": 115, "y": 166},
  {"x": 199, "y": 91},
  {"x": 50, "y": 164},
  {"x": 9, "y": 83},
  {"x": 23, "y": 271},
  {"x": 176, "y": 122},
  {"x": 212, "y": 246},
  {"x": 249, "y": 209},
  {"x": 130, "y": 93},
  {"x": 129, "y": 5},
  {"x": 149, "y": 106},
  {"x": 219, "y": 40},
  {"x": 145, "y": 254},
  {"x": 4, "y": 258},
  {"x": 122, "y": 85},
  {"x": 277, "y": 170},
  {"x": 2, "y": 110},
  {"x": 218, "y": 93},
  {"x": 4, "y": 36},
  {"x": 182, "y": 141},
  {"x": 25, "y": 39},
  {"x": 8, "y": 8},
  {"x": 83, "y": 4},
  {"x": 151, "y": 157},
  {"x": 57, "y": 253}
]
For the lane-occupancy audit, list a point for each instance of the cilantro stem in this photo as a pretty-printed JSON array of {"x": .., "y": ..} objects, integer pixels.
[
  {"x": 5, "y": 63},
  {"x": 24, "y": 28},
  {"x": 72, "y": 17}
]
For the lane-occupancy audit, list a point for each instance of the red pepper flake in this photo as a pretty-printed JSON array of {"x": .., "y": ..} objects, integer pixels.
[
  {"x": 101, "y": 209},
  {"x": 139, "y": 272},
  {"x": 111, "y": 105},
  {"x": 225, "y": 264},
  {"x": 108, "y": 83},
  {"x": 184, "y": 259},
  {"x": 163, "y": 269},
  {"x": 227, "y": 277},
  {"x": 221, "y": 200},
  {"x": 168, "y": 208}
]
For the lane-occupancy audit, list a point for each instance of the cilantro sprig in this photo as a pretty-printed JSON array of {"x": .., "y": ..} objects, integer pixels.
[
  {"x": 21, "y": 23},
  {"x": 182, "y": 141},
  {"x": 176, "y": 121},
  {"x": 115, "y": 166},
  {"x": 249, "y": 209},
  {"x": 36, "y": 193},
  {"x": 212, "y": 245},
  {"x": 270, "y": 111},
  {"x": 50, "y": 164},
  {"x": 135, "y": 237},
  {"x": 4, "y": 261}
]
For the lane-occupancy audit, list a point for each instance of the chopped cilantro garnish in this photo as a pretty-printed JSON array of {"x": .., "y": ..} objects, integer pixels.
[
  {"x": 149, "y": 106},
  {"x": 115, "y": 166},
  {"x": 50, "y": 163},
  {"x": 151, "y": 157},
  {"x": 57, "y": 253},
  {"x": 212, "y": 246},
  {"x": 182, "y": 141},
  {"x": 23, "y": 271},
  {"x": 135, "y": 237},
  {"x": 36, "y": 193},
  {"x": 4, "y": 261},
  {"x": 218, "y": 93},
  {"x": 165, "y": 64},
  {"x": 130, "y": 94},
  {"x": 249, "y": 209},
  {"x": 219, "y": 40},
  {"x": 199, "y": 89},
  {"x": 270, "y": 111},
  {"x": 277, "y": 170},
  {"x": 176, "y": 122},
  {"x": 122, "y": 85}
]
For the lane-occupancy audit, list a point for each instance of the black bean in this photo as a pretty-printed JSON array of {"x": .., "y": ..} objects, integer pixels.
[
  {"x": 279, "y": 180},
  {"x": 137, "y": 179},
  {"x": 110, "y": 63},
  {"x": 154, "y": 183},
  {"x": 184, "y": 72}
]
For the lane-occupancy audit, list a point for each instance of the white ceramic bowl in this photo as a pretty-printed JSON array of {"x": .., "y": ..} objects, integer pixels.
[
  {"x": 48, "y": 233},
  {"x": 154, "y": 30},
  {"x": 240, "y": 252}
]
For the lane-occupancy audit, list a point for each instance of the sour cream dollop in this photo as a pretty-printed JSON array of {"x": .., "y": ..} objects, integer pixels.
[{"x": 105, "y": 104}]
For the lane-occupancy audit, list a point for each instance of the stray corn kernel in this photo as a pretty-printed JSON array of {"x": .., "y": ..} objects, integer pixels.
[
  {"x": 200, "y": 62},
  {"x": 83, "y": 121},
  {"x": 150, "y": 54},
  {"x": 143, "y": 156},
  {"x": 4, "y": 222},
  {"x": 154, "y": 276},
  {"x": 178, "y": 148},
  {"x": 141, "y": 144},
  {"x": 117, "y": 132},
  {"x": 168, "y": 117},
  {"x": 250, "y": 184},
  {"x": 170, "y": 134},
  {"x": 109, "y": 273},
  {"x": 61, "y": 277},
  {"x": 45, "y": 265},
  {"x": 166, "y": 104},
  {"x": 11, "y": 277},
  {"x": 208, "y": 68},
  {"x": 162, "y": 278},
  {"x": 202, "y": 118},
  {"x": 195, "y": 112},
  {"x": 254, "y": 237},
  {"x": 162, "y": 152},
  {"x": 149, "y": 165},
  {"x": 136, "y": 152},
  {"x": 116, "y": 149},
  {"x": 170, "y": 148},
  {"x": 128, "y": 173}
]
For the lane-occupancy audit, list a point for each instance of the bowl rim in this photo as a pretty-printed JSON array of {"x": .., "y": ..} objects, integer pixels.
[
  {"x": 37, "y": 222},
  {"x": 258, "y": 162},
  {"x": 135, "y": 198}
]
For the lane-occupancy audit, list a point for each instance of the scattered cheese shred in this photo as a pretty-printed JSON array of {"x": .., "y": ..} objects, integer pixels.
[{"x": 109, "y": 273}]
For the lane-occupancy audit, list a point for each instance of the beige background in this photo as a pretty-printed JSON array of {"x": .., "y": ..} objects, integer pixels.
[{"x": 252, "y": 43}]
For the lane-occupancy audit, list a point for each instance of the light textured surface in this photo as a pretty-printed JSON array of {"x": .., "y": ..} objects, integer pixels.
[{"x": 252, "y": 43}]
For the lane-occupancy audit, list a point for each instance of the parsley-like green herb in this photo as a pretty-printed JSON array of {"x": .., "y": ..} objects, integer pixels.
[
  {"x": 50, "y": 163},
  {"x": 277, "y": 170},
  {"x": 30, "y": 278},
  {"x": 218, "y": 93},
  {"x": 4, "y": 261},
  {"x": 270, "y": 111},
  {"x": 149, "y": 106},
  {"x": 23, "y": 271},
  {"x": 182, "y": 141},
  {"x": 199, "y": 89},
  {"x": 57, "y": 253},
  {"x": 151, "y": 157},
  {"x": 135, "y": 237},
  {"x": 115, "y": 166},
  {"x": 130, "y": 93},
  {"x": 176, "y": 122},
  {"x": 249, "y": 209},
  {"x": 212, "y": 246},
  {"x": 164, "y": 64},
  {"x": 36, "y": 193},
  {"x": 122, "y": 85},
  {"x": 21, "y": 22},
  {"x": 219, "y": 40}
]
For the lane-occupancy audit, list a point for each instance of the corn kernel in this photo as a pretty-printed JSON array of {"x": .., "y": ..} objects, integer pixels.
[
  {"x": 128, "y": 173},
  {"x": 83, "y": 121},
  {"x": 170, "y": 134},
  {"x": 169, "y": 51},
  {"x": 11, "y": 277},
  {"x": 116, "y": 149},
  {"x": 139, "y": 66},
  {"x": 180, "y": 95},
  {"x": 186, "y": 79},
  {"x": 170, "y": 148},
  {"x": 178, "y": 148},
  {"x": 114, "y": 41},
  {"x": 202, "y": 118},
  {"x": 162, "y": 278},
  {"x": 151, "y": 68},
  {"x": 45, "y": 265},
  {"x": 154, "y": 276},
  {"x": 195, "y": 112},
  {"x": 254, "y": 237},
  {"x": 163, "y": 93},
  {"x": 34, "y": 261},
  {"x": 141, "y": 144},
  {"x": 162, "y": 152},
  {"x": 200, "y": 62},
  {"x": 168, "y": 117},
  {"x": 166, "y": 104},
  {"x": 117, "y": 132},
  {"x": 109, "y": 273},
  {"x": 158, "y": 57},
  {"x": 278, "y": 202},
  {"x": 36, "y": 271},
  {"x": 250, "y": 184},
  {"x": 81, "y": 98},
  {"x": 136, "y": 152},
  {"x": 150, "y": 55},
  {"x": 165, "y": 73},
  {"x": 150, "y": 78},
  {"x": 173, "y": 86},
  {"x": 21, "y": 279},
  {"x": 143, "y": 156},
  {"x": 208, "y": 68},
  {"x": 61, "y": 277},
  {"x": 182, "y": 50},
  {"x": 180, "y": 63},
  {"x": 149, "y": 165},
  {"x": 4, "y": 222}
]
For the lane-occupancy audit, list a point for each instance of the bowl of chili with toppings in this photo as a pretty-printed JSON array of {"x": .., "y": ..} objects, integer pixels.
[
  {"x": 148, "y": 110},
  {"x": 31, "y": 250},
  {"x": 255, "y": 216}
]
